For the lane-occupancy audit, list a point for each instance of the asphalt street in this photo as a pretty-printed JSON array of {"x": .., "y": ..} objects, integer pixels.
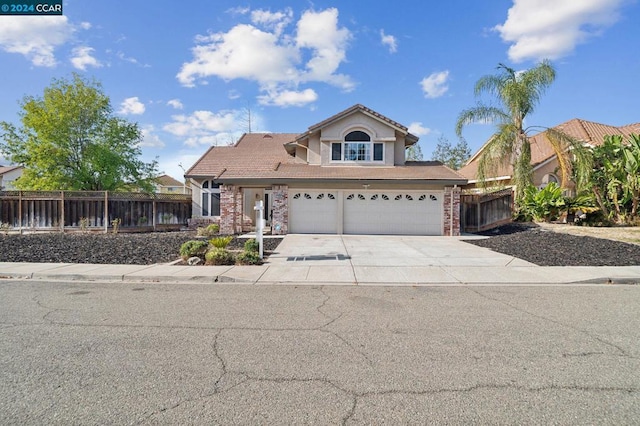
[{"x": 127, "y": 353}]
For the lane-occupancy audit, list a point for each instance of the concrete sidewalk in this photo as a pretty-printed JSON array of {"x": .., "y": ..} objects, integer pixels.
[{"x": 347, "y": 260}]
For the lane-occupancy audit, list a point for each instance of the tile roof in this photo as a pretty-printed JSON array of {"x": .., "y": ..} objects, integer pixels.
[
  {"x": 253, "y": 154},
  {"x": 352, "y": 110},
  {"x": 166, "y": 180},
  {"x": 263, "y": 156},
  {"x": 585, "y": 131}
]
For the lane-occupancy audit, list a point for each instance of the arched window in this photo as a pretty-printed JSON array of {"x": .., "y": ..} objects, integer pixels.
[
  {"x": 357, "y": 146},
  {"x": 357, "y": 136}
]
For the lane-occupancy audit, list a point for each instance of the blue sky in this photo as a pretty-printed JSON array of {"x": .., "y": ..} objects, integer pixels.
[{"x": 188, "y": 71}]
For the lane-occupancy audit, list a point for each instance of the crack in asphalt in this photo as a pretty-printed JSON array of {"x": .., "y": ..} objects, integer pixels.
[
  {"x": 243, "y": 377},
  {"x": 619, "y": 348},
  {"x": 333, "y": 320}
]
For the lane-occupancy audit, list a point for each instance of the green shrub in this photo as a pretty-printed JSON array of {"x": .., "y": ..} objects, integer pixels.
[
  {"x": 193, "y": 248},
  {"x": 542, "y": 204},
  {"x": 219, "y": 256},
  {"x": 221, "y": 242},
  {"x": 249, "y": 258},
  {"x": 252, "y": 245},
  {"x": 208, "y": 231}
]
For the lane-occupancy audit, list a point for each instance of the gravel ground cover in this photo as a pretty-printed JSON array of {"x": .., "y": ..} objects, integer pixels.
[
  {"x": 122, "y": 248},
  {"x": 545, "y": 247},
  {"x": 539, "y": 245}
]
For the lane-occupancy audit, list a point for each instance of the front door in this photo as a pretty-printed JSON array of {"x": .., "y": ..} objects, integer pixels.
[{"x": 268, "y": 207}]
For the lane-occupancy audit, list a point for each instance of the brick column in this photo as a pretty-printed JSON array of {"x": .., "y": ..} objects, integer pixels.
[
  {"x": 230, "y": 209},
  {"x": 280, "y": 220},
  {"x": 451, "y": 212}
]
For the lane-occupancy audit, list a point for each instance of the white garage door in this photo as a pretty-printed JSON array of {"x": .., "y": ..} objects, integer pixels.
[
  {"x": 313, "y": 212},
  {"x": 395, "y": 213}
]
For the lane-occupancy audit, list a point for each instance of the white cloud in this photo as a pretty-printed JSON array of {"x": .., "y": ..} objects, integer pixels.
[
  {"x": 175, "y": 103},
  {"x": 150, "y": 138},
  {"x": 418, "y": 129},
  {"x": 550, "y": 29},
  {"x": 435, "y": 85},
  {"x": 81, "y": 58},
  {"x": 132, "y": 60},
  {"x": 319, "y": 31},
  {"x": 35, "y": 37},
  {"x": 85, "y": 25},
  {"x": 206, "y": 127},
  {"x": 390, "y": 41},
  {"x": 132, "y": 106},
  {"x": 286, "y": 98},
  {"x": 243, "y": 52},
  {"x": 277, "y": 21},
  {"x": 276, "y": 60}
]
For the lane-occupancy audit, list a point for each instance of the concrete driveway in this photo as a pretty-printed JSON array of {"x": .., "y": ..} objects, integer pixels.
[
  {"x": 379, "y": 259},
  {"x": 388, "y": 250}
]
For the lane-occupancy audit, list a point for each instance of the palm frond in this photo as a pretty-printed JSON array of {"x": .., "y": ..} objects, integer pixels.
[
  {"x": 574, "y": 159},
  {"x": 480, "y": 114}
]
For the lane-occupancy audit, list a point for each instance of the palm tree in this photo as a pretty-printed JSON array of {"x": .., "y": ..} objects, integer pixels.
[{"x": 518, "y": 93}]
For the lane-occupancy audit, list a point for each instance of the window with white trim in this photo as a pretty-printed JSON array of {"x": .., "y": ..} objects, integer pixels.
[
  {"x": 210, "y": 198},
  {"x": 357, "y": 147}
]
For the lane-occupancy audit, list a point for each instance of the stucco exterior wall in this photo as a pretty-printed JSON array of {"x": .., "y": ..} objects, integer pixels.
[
  {"x": 379, "y": 133},
  {"x": 399, "y": 150},
  {"x": 314, "y": 155},
  {"x": 196, "y": 198},
  {"x": 8, "y": 178}
]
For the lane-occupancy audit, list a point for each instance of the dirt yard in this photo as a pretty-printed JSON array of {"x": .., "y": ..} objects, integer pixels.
[{"x": 627, "y": 234}]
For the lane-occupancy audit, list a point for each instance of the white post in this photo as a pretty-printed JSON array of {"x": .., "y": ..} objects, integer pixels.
[{"x": 259, "y": 208}]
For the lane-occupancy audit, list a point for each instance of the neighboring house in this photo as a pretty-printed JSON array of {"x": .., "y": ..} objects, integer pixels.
[
  {"x": 165, "y": 184},
  {"x": 344, "y": 175},
  {"x": 543, "y": 159},
  {"x": 8, "y": 174}
]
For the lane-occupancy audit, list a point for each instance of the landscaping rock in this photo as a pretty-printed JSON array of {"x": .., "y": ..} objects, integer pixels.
[
  {"x": 194, "y": 261},
  {"x": 122, "y": 248},
  {"x": 544, "y": 247}
]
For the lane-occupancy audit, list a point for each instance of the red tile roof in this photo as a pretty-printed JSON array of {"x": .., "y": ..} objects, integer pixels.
[{"x": 585, "y": 131}]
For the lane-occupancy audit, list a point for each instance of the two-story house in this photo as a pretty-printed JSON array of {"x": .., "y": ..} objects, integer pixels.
[
  {"x": 344, "y": 175},
  {"x": 8, "y": 175}
]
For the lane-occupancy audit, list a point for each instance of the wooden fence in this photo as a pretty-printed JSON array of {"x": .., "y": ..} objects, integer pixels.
[
  {"x": 480, "y": 212},
  {"x": 92, "y": 210}
]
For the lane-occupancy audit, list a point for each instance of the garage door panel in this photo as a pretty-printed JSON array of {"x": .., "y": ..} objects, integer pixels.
[
  {"x": 313, "y": 212},
  {"x": 400, "y": 213}
]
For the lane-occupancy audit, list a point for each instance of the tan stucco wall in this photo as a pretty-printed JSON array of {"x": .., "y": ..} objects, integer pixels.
[
  {"x": 398, "y": 159},
  {"x": 196, "y": 197},
  {"x": 393, "y": 143},
  {"x": 313, "y": 156}
]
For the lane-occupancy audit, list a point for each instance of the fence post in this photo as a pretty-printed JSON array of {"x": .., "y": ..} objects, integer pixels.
[
  {"x": 106, "y": 212},
  {"x": 155, "y": 212},
  {"x": 20, "y": 209},
  {"x": 62, "y": 211}
]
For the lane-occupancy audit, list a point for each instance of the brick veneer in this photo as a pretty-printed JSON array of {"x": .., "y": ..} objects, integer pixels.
[
  {"x": 230, "y": 209},
  {"x": 280, "y": 220},
  {"x": 450, "y": 211}
]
